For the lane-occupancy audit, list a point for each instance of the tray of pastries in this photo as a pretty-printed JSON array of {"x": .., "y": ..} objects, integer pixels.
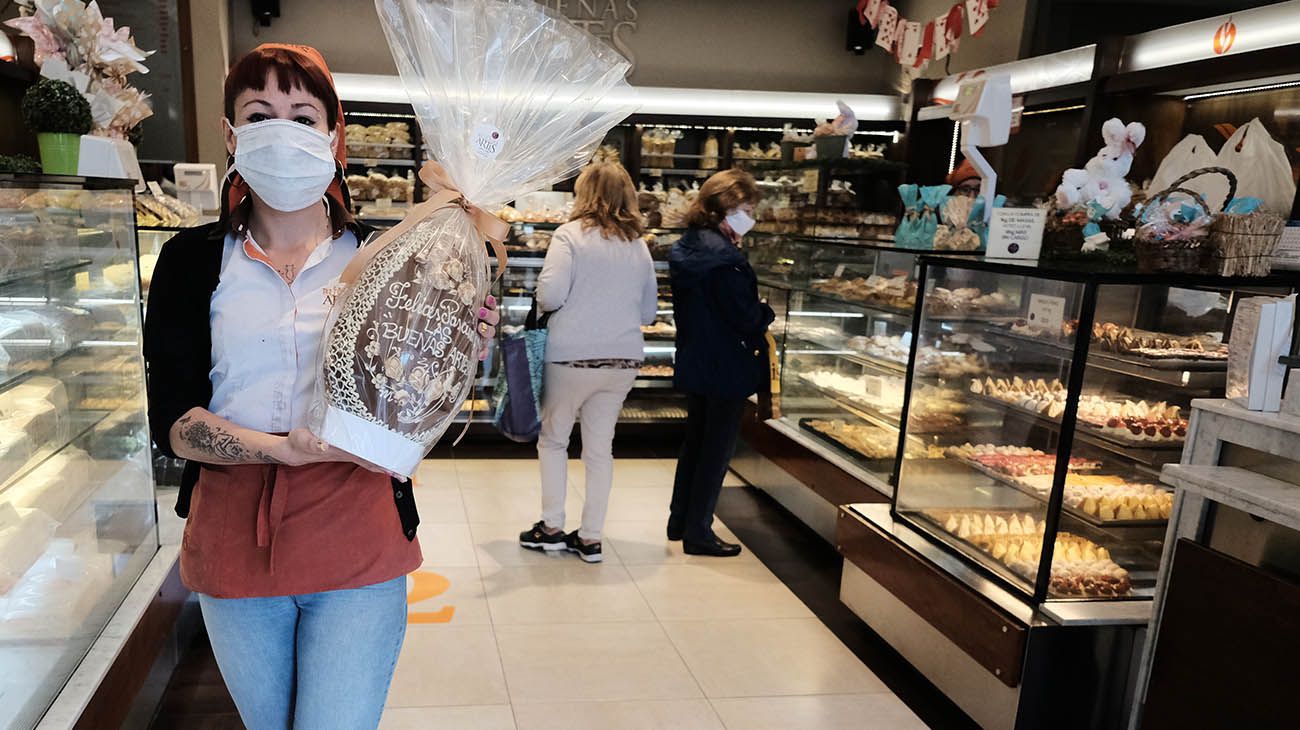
[
  {"x": 1122, "y": 420},
  {"x": 1002, "y": 462},
  {"x": 1110, "y": 500},
  {"x": 1080, "y": 567},
  {"x": 867, "y": 441},
  {"x": 894, "y": 292},
  {"x": 968, "y": 301},
  {"x": 1157, "y": 349}
]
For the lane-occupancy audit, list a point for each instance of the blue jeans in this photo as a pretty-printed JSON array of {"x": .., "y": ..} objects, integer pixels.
[{"x": 315, "y": 661}]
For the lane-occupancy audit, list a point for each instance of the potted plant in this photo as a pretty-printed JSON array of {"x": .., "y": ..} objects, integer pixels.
[{"x": 59, "y": 115}]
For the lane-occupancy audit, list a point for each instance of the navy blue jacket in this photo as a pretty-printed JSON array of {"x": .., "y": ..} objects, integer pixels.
[{"x": 721, "y": 349}]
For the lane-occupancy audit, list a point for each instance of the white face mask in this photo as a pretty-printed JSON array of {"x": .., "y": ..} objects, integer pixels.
[
  {"x": 740, "y": 221},
  {"x": 289, "y": 165}
]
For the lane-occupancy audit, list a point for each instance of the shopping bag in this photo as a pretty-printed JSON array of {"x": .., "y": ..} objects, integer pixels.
[
  {"x": 1261, "y": 166},
  {"x": 1191, "y": 153},
  {"x": 517, "y": 396},
  {"x": 510, "y": 98}
]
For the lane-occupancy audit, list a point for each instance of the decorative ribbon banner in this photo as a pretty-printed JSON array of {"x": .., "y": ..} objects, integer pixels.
[{"x": 915, "y": 43}]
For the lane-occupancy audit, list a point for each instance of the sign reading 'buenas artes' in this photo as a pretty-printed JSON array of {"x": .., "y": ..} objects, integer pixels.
[{"x": 609, "y": 20}]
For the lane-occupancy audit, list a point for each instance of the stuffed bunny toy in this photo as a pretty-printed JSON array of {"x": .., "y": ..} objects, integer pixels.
[
  {"x": 1107, "y": 170},
  {"x": 1070, "y": 192}
]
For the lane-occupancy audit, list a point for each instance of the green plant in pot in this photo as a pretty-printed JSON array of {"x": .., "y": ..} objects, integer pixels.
[{"x": 59, "y": 115}]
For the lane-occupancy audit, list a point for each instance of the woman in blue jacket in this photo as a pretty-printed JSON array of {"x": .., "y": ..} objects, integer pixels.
[{"x": 721, "y": 350}]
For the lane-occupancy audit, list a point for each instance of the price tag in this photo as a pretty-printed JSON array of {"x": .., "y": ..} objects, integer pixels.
[
  {"x": 874, "y": 387},
  {"x": 1047, "y": 312},
  {"x": 839, "y": 271},
  {"x": 1287, "y": 253},
  {"x": 384, "y": 203},
  {"x": 1016, "y": 233},
  {"x": 155, "y": 188}
]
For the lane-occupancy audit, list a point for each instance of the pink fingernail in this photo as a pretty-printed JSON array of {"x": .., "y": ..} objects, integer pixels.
[
  {"x": 482, "y": 312},
  {"x": 491, "y": 300}
]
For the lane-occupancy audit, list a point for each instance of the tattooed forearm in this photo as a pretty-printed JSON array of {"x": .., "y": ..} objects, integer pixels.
[{"x": 215, "y": 441}]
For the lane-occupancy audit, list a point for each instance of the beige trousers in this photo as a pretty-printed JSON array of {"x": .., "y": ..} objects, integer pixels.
[{"x": 594, "y": 397}]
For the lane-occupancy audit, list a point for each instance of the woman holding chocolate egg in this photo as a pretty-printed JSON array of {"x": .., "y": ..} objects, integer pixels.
[{"x": 298, "y": 551}]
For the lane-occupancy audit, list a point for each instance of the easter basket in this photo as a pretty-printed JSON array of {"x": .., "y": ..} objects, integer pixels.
[{"x": 1171, "y": 240}]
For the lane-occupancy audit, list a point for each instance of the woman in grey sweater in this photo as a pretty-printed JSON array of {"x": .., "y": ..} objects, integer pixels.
[{"x": 599, "y": 283}]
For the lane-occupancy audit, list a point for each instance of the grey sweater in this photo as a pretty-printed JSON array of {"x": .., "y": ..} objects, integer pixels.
[{"x": 601, "y": 291}]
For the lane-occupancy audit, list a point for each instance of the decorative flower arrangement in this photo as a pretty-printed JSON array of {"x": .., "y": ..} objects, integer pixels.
[{"x": 77, "y": 44}]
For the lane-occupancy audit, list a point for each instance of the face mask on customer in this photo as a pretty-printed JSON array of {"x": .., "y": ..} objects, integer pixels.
[
  {"x": 740, "y": 221},
  {"x": 289, "y": 165}
]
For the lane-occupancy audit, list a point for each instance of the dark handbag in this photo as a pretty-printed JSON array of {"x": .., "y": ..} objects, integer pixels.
[{"x": 517, "y": 411}]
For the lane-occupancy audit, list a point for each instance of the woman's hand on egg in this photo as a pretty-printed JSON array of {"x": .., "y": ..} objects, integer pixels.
[{"x": 488, "y": 318}]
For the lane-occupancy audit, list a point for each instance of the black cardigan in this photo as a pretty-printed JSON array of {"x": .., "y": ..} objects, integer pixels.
[{"x": 178, "y": 348}]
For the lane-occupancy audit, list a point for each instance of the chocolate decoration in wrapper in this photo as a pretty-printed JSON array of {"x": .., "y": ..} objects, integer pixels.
[{"x": 511, "y": 98}]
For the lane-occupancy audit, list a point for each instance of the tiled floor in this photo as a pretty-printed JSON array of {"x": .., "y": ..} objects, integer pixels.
[
  {"x": 652, "y": 638},
  {"x": 501, "y": 637}
]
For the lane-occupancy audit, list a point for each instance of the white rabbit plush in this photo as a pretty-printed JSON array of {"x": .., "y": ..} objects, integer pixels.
[
  {"x": 1070, "y": 192},
  {"x": 1108, "y": 169}
]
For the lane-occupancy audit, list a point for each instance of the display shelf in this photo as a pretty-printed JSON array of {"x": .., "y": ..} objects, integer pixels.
[
  {"x": 840, "y": 351},
  {"x": 380, "y": 162},
  {"x": 27, "y": 275},
  {"x": 839, "y": 164},
  {"x": 860, "y": 409},
  {"x": 1153, "y": 455},
  {"x": 676, "y": 171},
  {"x": 1205, "y": 375},
  {"x": 880, "y": 465},
  {"x": 1010, "y": 481}
]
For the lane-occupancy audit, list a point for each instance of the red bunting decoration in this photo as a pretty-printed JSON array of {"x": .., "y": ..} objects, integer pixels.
[{"x": 912, "y": 44}]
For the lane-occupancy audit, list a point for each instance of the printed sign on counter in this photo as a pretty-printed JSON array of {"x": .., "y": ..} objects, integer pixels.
[
  {"x": 1046, "y": 312},
  {"x": 1016, "y": 233}
]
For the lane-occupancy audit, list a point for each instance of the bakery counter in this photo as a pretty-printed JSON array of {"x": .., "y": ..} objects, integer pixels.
[{"x": 1006, "y": 662}]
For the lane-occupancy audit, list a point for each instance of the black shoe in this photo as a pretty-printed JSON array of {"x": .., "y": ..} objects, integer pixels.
[
  {"x": 675, "y": 530},
  {"x": 590, "y": 553},
  {"x": 539, "y": 539},
  {"x": 716, "y": 548}
]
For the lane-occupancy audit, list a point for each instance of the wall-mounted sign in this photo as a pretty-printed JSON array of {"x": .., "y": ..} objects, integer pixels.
[
  {"x": 609, "y": 20},
  {"x": 1269, "y": 26}
]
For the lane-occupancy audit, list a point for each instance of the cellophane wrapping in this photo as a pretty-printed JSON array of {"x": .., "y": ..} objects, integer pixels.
[{"x": 511, "y": 98}]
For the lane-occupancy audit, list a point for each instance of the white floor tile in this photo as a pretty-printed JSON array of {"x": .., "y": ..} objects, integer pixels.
[
  {"x": 643, "y": 715},
  {"x": 719, "y": 590},
  {"x": 646, "y": 543},
  {"x": 494, "y": 473},
  {"x": 577, "y": 663},
  {"x": 447, "y": 546},
  {"x": 882, "y": 711},
  {"x": 770, "y": 657},
  {"x": 440, "y": 506},
  {"x": 486, "y": 717},
  {"x": 448, "y": 665},
  {"x": 436, "y": 474},
  {"x": 451, "y": 596},
  {"x": 639, "y": 504},
  {"x": 514, "y": 504},
  {"x": 573, "y": 593}
]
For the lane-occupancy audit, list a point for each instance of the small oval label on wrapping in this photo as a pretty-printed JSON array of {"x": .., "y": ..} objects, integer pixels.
[{"x": 486, "y": 141}]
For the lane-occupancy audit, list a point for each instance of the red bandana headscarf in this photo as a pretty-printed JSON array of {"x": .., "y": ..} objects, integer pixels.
[{"x": 340, "y": 201}]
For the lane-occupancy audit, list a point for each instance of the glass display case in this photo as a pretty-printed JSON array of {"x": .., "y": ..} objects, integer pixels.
[
  {"x": 77, "y": 505},
  {"x": 653, "y": 400},
  {"x": 845, "y": 341},
  {"x": 1035, "y": 453}
]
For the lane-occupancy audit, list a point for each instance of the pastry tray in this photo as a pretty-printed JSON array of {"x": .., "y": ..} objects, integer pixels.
[
  {"x": 1159, "y": 363},
  {"x": 1083, "y": 427},
  {"x": 872, "y": 464},
  {"x": 935, "y": 526},
  {"x": 1093, "y": 520}
]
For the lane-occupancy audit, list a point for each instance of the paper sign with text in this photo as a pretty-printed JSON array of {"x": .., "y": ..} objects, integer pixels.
[
  {"x": 1046, "y": 312},
  {"x": 1287, "y": 253},
  {"x": 1016, "y": 233}
]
